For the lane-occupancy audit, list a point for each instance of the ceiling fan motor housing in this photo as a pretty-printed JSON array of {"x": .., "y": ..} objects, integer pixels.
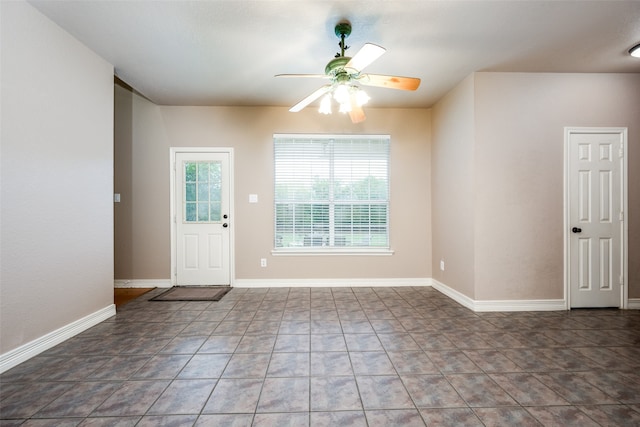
[
  {"x": 335, "y": 67},
  {"x": 343, "y": 29}
]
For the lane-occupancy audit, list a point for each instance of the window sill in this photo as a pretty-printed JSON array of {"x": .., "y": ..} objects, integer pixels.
[{"x": 331, "y": 251}]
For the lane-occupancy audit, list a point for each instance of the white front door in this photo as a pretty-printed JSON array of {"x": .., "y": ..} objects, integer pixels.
[
  {"x": 202, "y": 218},
  {"x": 595, "y": 217}
]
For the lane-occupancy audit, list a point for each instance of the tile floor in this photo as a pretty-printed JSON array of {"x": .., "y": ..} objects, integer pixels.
[{"x": 333, "y": 357}]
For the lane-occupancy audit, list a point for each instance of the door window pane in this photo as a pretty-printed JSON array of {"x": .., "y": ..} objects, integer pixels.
[
  {"x": 203, "y": 172},
  {"x": 190, "y": 172},
  {"x": 203, "y": 191},
  {"x": 214, "y": 211},
  {"x": 190, "y": 214},
  {"x": 203, "y": 212},
  {"x": 190, "y": 192}
]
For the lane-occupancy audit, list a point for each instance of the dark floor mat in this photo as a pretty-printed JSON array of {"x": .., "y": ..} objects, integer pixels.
[{"x": 193, "y": 293}]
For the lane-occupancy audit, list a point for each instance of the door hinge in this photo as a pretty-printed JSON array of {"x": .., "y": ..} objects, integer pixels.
[
  {"x": 621, "y": 216},
  {"x": 621, "y": 280},
  {"x": 621, "y": 151}
]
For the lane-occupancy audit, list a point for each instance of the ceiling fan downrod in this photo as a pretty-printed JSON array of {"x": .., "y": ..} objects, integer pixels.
[{"x": 342, "y": 30}]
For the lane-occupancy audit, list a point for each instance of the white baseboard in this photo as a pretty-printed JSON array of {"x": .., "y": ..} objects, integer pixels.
[
  {"x": 453, "y": 294},
  {"x": 521, "y": 305},
  {"x": 142, "y": 283},
  {"x": 327, "y": 283},
  {"x": 633, "y": 303},
  {"x": 500, "y": 305},
  {"x": 27, "y": 351}
]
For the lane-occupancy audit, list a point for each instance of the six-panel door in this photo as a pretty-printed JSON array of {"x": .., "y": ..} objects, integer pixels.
[{"x": 595, "y": 188}]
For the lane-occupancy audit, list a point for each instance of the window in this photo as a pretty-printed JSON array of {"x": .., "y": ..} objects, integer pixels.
[
  {"x": 202, "y": 191},
  {"x": 331, "y": 192}
]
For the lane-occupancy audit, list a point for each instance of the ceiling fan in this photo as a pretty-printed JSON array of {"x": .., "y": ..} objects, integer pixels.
[{"x": 345, "y": 75}]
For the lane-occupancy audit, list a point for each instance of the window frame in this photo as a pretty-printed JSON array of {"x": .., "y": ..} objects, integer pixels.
[{"x": 334, "y": 250}]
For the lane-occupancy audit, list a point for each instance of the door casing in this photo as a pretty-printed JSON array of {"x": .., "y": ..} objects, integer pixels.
[
  {"x": 568, "y": 131},
  {"x": 172, "y": 200}
]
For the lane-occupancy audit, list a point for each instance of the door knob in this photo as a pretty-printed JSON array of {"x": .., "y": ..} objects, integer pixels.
[
  {"x": 225, "y": 225},
  {"x": 576, "y": 230}
]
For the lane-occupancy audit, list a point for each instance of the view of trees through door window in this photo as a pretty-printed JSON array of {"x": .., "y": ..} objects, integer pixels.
[
  {"x": 202, "y": 192},
  {"x": 331, "y": 191}
]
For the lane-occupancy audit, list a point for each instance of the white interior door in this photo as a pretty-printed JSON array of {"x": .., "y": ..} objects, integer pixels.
[
  {"x": 202, "y": 220},
  {"x": 595, "y": 217}
]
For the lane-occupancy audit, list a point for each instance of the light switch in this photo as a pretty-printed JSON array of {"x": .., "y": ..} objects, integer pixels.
[
  {"x": 116, "y": 197},
  {"x": 253, "y": 198}
]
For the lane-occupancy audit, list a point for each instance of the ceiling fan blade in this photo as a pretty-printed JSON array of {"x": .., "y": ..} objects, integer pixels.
[
  {"x": 317, "y": 76},
  {"x": 356, "y": 113},
  {"x": 391, "y": 82},
  {"x": 309, "y": 99},
  {"x": 365, "y": 56}
]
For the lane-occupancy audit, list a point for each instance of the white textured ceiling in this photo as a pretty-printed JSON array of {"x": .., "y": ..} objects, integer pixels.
[{"x": 226, "y": 52}]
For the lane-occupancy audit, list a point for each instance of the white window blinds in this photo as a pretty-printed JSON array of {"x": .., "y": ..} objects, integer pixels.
[{"x": 331, "y": 191}]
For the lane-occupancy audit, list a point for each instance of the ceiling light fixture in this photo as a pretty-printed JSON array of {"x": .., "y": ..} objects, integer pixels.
[
  {"x": 347, "y": 97},
  {"x": 325, "y": 104},
  {"x": 635, "y": 51}
]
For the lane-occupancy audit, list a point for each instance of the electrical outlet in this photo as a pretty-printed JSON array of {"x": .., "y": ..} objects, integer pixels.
[
  {"x": 442, "y": 264},
  {"x": 263, "y": 262}
]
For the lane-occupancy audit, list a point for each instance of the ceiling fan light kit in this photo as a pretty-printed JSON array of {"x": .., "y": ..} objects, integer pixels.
[{"x": 345, "y": 75}]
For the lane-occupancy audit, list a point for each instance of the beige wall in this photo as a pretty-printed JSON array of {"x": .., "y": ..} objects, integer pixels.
[
  {"x": 517, "y": 152},
  {"x": 452, "y": 188},
  {"x": 520, "y": 120},
  {"x": 249, "y": 130},
  {"x": 57, "y": 178},
  {"x": 122, "y": 181}
]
